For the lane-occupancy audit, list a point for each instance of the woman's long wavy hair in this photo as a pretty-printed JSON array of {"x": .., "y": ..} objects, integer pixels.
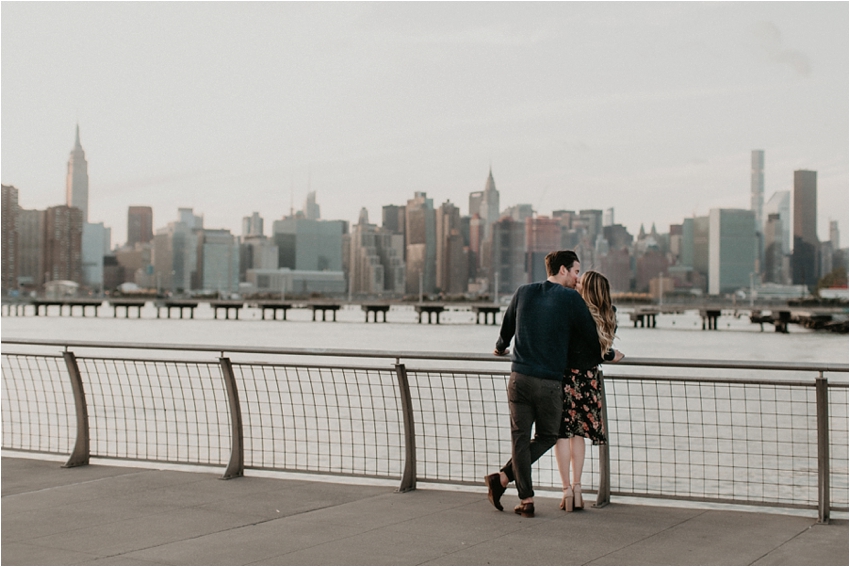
[{"x": 596, "y": 292}]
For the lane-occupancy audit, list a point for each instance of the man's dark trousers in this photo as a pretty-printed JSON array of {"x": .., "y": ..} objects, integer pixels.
[{"x": 537, "y": 401}]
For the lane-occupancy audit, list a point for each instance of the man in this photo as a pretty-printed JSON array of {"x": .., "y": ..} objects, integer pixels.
[{"x": 540, "y": 318}]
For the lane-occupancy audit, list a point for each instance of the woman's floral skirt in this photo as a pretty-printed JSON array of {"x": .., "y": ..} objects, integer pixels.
[{"x": 583, "y": 406}]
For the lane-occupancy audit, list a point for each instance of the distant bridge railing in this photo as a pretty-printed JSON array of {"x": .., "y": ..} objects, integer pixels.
[{"x": 777, "y": 436}]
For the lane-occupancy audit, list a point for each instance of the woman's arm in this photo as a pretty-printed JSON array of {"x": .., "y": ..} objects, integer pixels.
[{"x": 613, "y": 355}]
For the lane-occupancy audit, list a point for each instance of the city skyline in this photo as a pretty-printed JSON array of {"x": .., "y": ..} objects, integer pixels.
[
  {"x": 310, "y": 206},
  {"x": 523, "y": 90}
]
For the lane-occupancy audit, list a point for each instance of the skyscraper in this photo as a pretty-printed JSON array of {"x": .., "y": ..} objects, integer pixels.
[
  {"x": 773, "y": 254},
  {"x": 217, "y": 261},
  {"x": 188, "y": 217},
  {"x": 63, "y": 244},
  {"x": 475, "y": 199},
  {"x": 757, "y": 204},
  {"x": 686, "y": 252},
  {"x": 312, "y": 245},
  {"x": 77, "y": 181},
  {"x": 616, "y": 265},
  {"x": 648, "y": 267},
  {"x": 252, "y": 226},
  {"x": 804, "y": 263},
  {"x": 375, "y": 265},
  {"x": 312, "y": 211},
  {"x": 10, "y": 238},
  {"x": 757, "y": 187},
  {"x": 617, "y": 235},
  {"x": 591, "y": 219},
  {"x": 780, "y": 204},
  {"x": 175, "y": 257},
  {"x": 731, "y": 249},
  {"x": 508, "y": 252},
  {"x": 834, "y": 235},
  {"x": 519, "y": 212},
  {"x": 139, "y": 225},
  {"x": 421, "y": 242},
  {"x": 701, "y": 246},
  {"x": 452, "y": 263},
  {"x": 476, "y": 238},
  {"x": 829, "y": 256},
  {"x": 542, "y": 235},
  {"x": 31, "y": 234},
  {"x": 95, "y": 245},
  {"x": 393, "y": 221},
  {"x": 489, "y": 205},
  {"x": 393, "y": 218},
  {"x": 257, "y": 253}
]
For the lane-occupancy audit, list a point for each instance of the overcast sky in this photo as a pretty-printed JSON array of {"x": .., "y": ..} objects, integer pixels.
[{"x": 230, "y": 108}]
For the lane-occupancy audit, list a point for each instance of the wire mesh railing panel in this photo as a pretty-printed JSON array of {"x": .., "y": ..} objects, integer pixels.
[
  {"x": 321, "y": 419},
  {"x": 460, "y": 424},
  {"x": 38, "y": 405},
  {"x": 838, "y": 444},
  {"x": 174, "y": 411},
  {"x": 713, "y": 440},
  {"x": 738, "y": 440},
  {"x": 463, "y": 429}
]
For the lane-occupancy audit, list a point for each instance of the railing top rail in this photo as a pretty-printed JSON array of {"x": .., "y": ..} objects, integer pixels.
[{"x": 424, "y": 355}]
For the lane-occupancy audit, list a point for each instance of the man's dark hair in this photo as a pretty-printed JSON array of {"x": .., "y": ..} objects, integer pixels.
[{"x": 558, "y": 258}]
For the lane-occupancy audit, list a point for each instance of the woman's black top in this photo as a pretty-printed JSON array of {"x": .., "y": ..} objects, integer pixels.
[{"x": 584, "y": 353}]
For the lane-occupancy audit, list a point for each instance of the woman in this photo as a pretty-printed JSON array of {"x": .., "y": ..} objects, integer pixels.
[{"x": 582, "y": 415}]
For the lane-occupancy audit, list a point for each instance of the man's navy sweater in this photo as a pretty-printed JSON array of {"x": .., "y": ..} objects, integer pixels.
[{"x": 541, "y": 318}]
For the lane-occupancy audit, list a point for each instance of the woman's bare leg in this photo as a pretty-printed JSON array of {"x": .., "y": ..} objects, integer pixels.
[
  {"x": 577, "y": 449},
  {"x": 563, "y": 452}
]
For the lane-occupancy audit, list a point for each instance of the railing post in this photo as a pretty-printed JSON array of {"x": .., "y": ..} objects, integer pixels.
[
  {"x": 408, "y": 477},
  {"x": 822, "y": 403},
  {"x": 80, "y": 454},
  {"x": 236, "y": 466},
  {"x": 603, "y": 493}
]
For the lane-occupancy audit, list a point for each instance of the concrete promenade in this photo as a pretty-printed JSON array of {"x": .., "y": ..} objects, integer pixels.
[{"x": 110, "y": 515}]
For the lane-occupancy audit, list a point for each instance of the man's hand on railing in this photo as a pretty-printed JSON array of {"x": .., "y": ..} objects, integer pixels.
[{"x": 498, "y": 352}]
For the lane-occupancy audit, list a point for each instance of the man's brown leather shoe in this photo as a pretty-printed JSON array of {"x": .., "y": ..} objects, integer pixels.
[
  {"x": 494, "y": 490},
  {"x": 525, "y": 510}
]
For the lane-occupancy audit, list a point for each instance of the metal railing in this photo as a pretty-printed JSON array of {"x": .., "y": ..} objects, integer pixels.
[{"x": 779, "y": 441}]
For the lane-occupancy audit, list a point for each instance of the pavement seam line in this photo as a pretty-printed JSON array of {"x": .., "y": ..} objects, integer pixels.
[
  {"x": 250, "y": 524},
  {"x": 376, "y": 528},
  {"x": 649, "y": 536},
  {"x": 489, "y": 540},
  {"x": 795, "y": 536},
  {"x": 59, "y": 549},
  {"x": 384, "y": 527},
  {"x": 50, "y": 488},
  {"x": 142, "y": 549}
]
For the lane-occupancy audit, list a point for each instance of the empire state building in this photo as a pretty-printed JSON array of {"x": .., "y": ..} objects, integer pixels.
[
  {"x": 77, "y": 183},
  {"x": 489, "y": 205}
]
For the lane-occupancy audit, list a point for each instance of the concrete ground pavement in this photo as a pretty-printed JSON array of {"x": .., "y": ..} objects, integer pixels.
[{"x": 115, "y": 515}]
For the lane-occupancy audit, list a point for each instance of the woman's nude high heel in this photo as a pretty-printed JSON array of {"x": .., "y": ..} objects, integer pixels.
[
  {"x": 577, "y": 499},
  {"x": 567, "y": 500}
]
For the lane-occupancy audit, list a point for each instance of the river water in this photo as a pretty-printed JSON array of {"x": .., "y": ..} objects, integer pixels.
[{"x": 676, "y": 336}]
